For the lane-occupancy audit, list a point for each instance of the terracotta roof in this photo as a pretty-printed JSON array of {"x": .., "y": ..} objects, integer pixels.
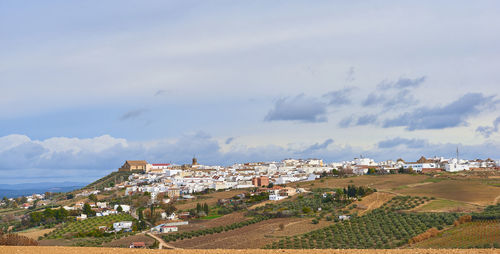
[{"x": 136, "y": 163}]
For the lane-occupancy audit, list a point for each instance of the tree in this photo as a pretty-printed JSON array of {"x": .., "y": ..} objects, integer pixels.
[
  {"x": 169, "y": 208},
  {"x": 270, "y": 185},
  {"x": 371, "y": 171},
  {"x": 119, "y": 209},
  {"x": 206, "y": 209},
  {"x": 198, "y": 208},
  {"x": 61, "y": 214},
  {"x": 88, "y": 210},
  {"x": 93, "y": 197},
  {"x": 335, "y": 171}
]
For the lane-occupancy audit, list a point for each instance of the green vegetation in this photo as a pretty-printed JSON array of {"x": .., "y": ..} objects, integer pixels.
[
  {"x": 109, "y": 180},
  {"x": 439, "y": 204},
  {"x": 209, "y": 231},
  {"x": 98, "y": 241},
  {"x": 404, "y": 203},
  {"x": 48, "y": 217},
  {"x": 477, "y": 234},
  {"x": 210, "y": 217},
  {"x": 320, "y": 200},
  {"x": 377, "y": 229},
  {"x": 88, "y": 227},
  {"x": 491, "y": 212}
]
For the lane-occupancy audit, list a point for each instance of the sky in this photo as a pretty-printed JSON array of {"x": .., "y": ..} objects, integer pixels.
[{"x": 86, "y": 85}]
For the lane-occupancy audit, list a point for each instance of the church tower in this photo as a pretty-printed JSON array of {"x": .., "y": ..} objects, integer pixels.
[{"x": 195, "y": 161}]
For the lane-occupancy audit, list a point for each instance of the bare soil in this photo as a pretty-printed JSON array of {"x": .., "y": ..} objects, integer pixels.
[
  {"x": 35, "y": 233},
  {"x": 253, "y": 236},
  {"x": 221, "y": 221},
  {"x": 372, "y": 201},
  {"x": 93, "y": 250},
  {"x": 380, "y": 182},
  {"x": 125, "y": 241}
]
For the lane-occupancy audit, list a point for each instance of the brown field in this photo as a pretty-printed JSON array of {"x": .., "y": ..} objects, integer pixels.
[
  {"x": 125, "y": 241},
  {"x": 380, "y": 182},
  {"x": 210, "y": 198},
  {"x": 35, "y": 233},
  {"x": 56, "y": 242},
  {"x": 473, "y": 191},
  {"x": 372, "y": 201},
  {"x": 476, "y": 191},
  {"x": 221, "y": 221},
  {"x": 469, "y": 234},
  {"x": 92, "y": 250},
  {"x": 253, "y": 236},
  {"x": 445, "y": 205}
]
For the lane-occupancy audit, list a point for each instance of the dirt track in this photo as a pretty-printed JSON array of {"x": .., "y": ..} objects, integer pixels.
[{"x": 89, "y": 250}]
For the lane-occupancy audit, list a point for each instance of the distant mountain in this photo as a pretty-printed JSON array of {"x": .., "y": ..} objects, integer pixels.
[{"x": 25, "y": 189}]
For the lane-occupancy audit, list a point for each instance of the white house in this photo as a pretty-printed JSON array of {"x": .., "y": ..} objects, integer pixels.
[
  {"x": 167, "y": 229},
  {"x": 125, "y": 208},
  {"x": 81, "y": 217},
  {"x": 69, "y": 208},
  {"x": 454, "y": 166},
  {"x": 122, "y": 225},
  {"x": 101, "y": 204},
  {"x": 344, "y": 217},
  {"x": 172, "y": 216}
]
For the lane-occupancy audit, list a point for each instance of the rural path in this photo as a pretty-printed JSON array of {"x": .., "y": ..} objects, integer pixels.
[
  {"x": 163, "y": 244},
  {"x": 497, "y": 200}
]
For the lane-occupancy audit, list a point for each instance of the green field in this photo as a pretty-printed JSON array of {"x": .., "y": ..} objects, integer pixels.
[
  {"x": 83, "y": 226},
  {"x": 210, "y": 217},
  {"x": 378, "y": 229},
  {"x": 443, "y": 205}
]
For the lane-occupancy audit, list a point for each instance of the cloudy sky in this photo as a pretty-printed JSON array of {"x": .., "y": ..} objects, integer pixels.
[{"x": 85, "y": 85}]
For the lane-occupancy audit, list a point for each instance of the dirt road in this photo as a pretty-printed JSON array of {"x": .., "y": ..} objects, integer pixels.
[{"x": 163, "y": 244}]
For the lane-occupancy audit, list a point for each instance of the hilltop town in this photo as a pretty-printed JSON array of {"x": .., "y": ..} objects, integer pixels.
[{"x": 142, "y": 202}]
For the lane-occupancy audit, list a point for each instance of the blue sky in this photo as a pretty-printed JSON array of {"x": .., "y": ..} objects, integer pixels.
[{"x": 87, "y": 85}]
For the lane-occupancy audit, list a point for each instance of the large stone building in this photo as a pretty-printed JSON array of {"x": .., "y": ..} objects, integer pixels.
[
  {"x": 134, "y": 165},
  {"x": 260, "y": 181}
]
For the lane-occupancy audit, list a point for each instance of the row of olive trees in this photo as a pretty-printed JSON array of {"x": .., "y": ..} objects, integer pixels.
[{"x": 209, "y": 231}]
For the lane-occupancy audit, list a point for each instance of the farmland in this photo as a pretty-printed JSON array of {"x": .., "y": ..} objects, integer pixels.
[
  {"x": 35, "y": 233},
  {"x": 473, "y": 190},
  {"x": 469, "y": 235},
  {"x": 255, "y": 235},
  {"x": 382, "y": 182},
  {"x": 445, "y": 205},
  {"x": 210, "y": 198},
  {"x": 377, "y": 229},
  {"x": 221, "y": 221},
  {"x": 88, "y": 225},
  {"x": 90, "y": 250}
]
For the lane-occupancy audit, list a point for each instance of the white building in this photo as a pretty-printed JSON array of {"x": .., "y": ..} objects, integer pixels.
[
  {"x": 454, "y": 166},
  {"x": 125, "y": 208},
  {"x": 122, "y": 225}
]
